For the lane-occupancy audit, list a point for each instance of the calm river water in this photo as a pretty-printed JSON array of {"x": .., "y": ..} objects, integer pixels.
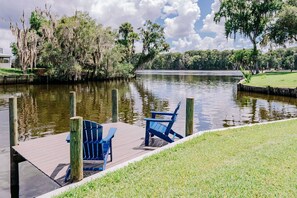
[{"x": 44, "y": 109}]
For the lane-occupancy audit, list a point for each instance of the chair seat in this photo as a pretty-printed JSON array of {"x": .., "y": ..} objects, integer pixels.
[{"x": 158, "y": 127}]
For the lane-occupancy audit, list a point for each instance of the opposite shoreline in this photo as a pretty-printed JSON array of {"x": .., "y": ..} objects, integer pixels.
[{"x": 33, "y": 79}]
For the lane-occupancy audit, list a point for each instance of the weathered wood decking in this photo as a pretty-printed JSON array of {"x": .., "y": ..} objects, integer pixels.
[{"x": 51, "y": 155}]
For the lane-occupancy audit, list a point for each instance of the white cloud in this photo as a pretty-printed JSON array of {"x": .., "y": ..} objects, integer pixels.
[
  {"x": 187, "y": 13},
  {"x": 208, "y": 23},
  {"x": 114, "y": 13},
  {"x": 5, "y": 40},
  {"x": 194, "y": 40},
  {"x": 243, "y": 43},
  {"x": 9, "y": 10},
  {"x": 186, "y": 43},
  {"x": 151, "y": 9}
]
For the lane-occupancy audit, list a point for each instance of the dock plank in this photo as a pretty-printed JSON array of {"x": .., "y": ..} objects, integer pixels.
[{"x": 51, "y": 154}]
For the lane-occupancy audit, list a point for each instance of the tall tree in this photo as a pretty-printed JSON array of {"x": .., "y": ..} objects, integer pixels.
[
  {"x": 248, "y": 18},
  {"x": 284, "y": 29},
  {"x": 26, "y": 43},
  {"x": 127, "y": 39},
  {"x": 153, "y": 42},
  {"x": 36, "y": 21},
  {"x": 124, "y": 30}
]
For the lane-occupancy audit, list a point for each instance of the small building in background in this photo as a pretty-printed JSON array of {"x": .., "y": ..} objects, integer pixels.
[{"x": 5, "y": 60}]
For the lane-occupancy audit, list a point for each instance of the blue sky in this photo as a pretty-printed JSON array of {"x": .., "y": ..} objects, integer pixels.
[
  {"x": 205, "y": 8},
  {"x": 188, "y": 24}
]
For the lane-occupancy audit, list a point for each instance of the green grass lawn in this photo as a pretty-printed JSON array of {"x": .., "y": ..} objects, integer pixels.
[
  {"x": 10, "y": 71},
  {"x": 13, "y": 71},
  {"x": 258, "y": 161},
  {"x": 275, "y": 79}
]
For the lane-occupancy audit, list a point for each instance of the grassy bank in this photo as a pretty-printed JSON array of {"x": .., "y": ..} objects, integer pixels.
[
  {"x": 275, "y": 79},
  {"x": 258, "y": 161},
  {"x": 10, "y": 71}
]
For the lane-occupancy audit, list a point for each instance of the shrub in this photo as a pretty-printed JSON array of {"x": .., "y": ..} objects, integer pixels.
[
  {"x": 246, "y": 74},
  {"x": 124, "y": 70}
]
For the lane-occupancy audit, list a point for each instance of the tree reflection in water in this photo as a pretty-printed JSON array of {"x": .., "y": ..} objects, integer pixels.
[{"x": 44, "y": 109}]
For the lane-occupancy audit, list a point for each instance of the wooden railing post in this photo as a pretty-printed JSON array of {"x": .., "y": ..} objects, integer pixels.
[
  {"x": 76, "y": 149},
  {"x": 114, "y": 98},
  {"x": 72, "y": 98},
  {"x": 14, "y": 165},
  {"x": 189, "y": 116}
]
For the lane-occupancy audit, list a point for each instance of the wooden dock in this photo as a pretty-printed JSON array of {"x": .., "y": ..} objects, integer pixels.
[{"x": 51, "y": 154}]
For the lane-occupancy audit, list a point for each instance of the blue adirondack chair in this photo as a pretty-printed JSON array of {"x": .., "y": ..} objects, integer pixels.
[
  {"x": 161, "y": 128},
  {"x": 94, "y": 146}
]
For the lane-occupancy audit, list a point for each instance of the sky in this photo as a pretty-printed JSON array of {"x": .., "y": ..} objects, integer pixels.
[{"x": 188, "y": 24}]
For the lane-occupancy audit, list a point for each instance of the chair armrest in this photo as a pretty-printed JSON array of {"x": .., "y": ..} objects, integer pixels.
[
  {"x": 68, "y": 138},
  {"x": 110, "y": 135},
  {"x": 156, "y": 120},
  {"x": 161, "y": 113}
]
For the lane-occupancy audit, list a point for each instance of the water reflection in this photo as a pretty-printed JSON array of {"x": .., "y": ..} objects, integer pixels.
[
  {"x": 266, "y": 107},
  {"x": 44, "y": 109}
]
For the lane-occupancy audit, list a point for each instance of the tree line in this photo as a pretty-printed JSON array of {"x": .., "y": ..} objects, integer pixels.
[
  {"x": 225, "y": 60},
  {"x": 71, "y": 46}
]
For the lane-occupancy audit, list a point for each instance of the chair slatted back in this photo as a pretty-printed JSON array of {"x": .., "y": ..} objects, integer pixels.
[
  {"x": 92, "y": 135},
  {"x": 173, "y": 119}
]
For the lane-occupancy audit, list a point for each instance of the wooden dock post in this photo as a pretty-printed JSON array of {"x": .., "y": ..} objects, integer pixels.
[
  {"x": 76, "y": 149},
  {"x": 114, "y": 98},
  {"x": 189, "y": 116},
  {"x": 14, "y": 164},
  {"x": 72, "y": 98}
]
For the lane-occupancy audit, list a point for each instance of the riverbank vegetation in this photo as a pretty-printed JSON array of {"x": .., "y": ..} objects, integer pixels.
[
  {"x": 74, "y": 46},
  {"x": 274, "y": 79},
  {"x": 70, "y": 47},
  {"x": 251, "y": 161},
  {"x": 225, "y": 60}
]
